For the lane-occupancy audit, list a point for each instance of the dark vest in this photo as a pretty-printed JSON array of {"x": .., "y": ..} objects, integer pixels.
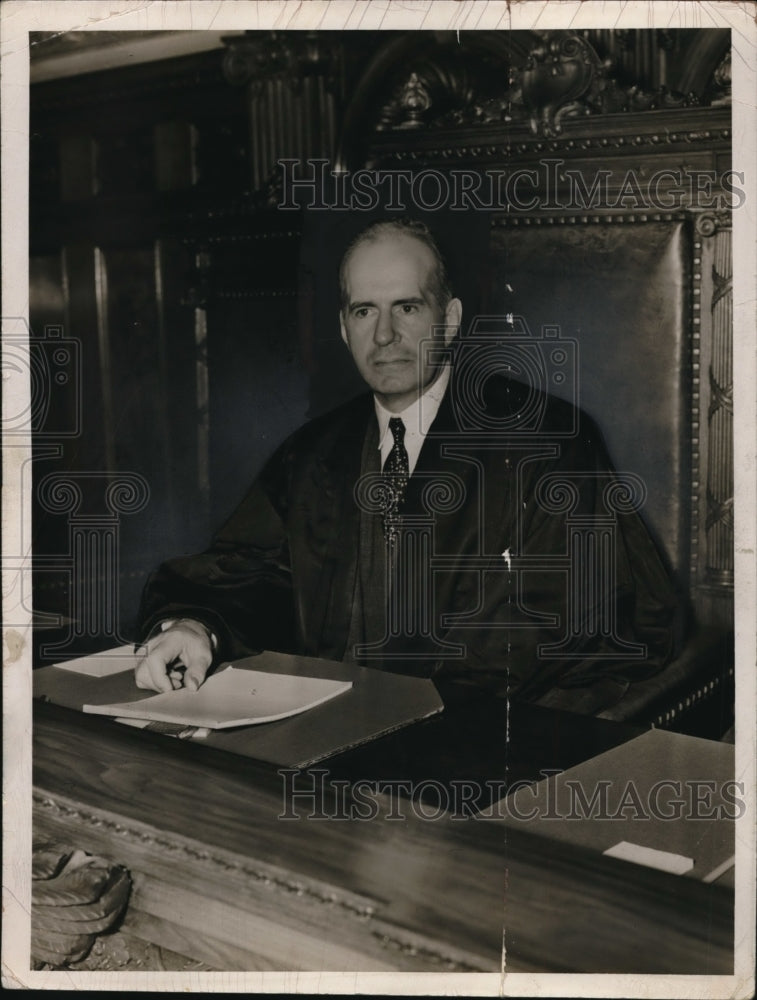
[
  {"x": 368, "y": 621},
  {"x": 374, "y": 580}
]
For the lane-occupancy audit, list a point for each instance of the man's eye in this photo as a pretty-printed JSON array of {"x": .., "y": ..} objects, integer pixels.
[
  {"x": 361, "y": 313},
  {"x": 408, "y": 308}
]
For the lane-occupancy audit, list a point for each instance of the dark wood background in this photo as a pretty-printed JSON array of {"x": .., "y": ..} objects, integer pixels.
[{"x": 206, "y": 323}]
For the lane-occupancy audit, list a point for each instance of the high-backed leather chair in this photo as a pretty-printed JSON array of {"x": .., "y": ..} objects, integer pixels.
[
  {"x": 621, "y": 290},
  {"x": 642, "y": 285}
]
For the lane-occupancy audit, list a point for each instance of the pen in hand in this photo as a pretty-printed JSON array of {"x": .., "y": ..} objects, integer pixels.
[
  {"x": 175, "y": 658},
  {"x": 177, "y": 676}
]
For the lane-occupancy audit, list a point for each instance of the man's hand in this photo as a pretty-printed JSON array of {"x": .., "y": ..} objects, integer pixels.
[{"x": 180, "y": 656}]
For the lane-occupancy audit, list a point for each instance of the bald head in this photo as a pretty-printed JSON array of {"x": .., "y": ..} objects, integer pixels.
[
  {"x": 391, "y": 313},
  {"x": 438, "y": 285}
]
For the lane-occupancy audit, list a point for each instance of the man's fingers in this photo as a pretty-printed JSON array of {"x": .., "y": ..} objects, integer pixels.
[
  {"x": 151, "y": 674},
  {"x": 176, "y": 678},
  {"x": 196, "y": 656},
  {"x": 197, "y": 668},
  {"x": 175, "y": 645}
]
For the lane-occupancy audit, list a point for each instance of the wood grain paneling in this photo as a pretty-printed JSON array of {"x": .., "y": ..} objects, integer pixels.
[{"x": 202, "y": 835}]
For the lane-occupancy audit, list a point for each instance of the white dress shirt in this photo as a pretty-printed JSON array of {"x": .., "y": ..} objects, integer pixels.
[{"x": 417, "y": 419}]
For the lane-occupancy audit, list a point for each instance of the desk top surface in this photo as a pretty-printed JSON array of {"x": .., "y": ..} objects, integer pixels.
[{"x": 431, "y": 871}]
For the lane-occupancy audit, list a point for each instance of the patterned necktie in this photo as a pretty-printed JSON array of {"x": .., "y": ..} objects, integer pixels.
[{"x": 396, "y": 473}]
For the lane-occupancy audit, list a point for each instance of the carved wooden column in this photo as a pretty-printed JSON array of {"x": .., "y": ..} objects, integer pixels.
[
  {"x": 713, "y": 305},
  {"x": 293, "y": 80}
]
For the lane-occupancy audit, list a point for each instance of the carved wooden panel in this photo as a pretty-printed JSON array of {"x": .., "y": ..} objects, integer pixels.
[
  {"x": 124, "y": 166},
  {"x": 714, "y": 539}
]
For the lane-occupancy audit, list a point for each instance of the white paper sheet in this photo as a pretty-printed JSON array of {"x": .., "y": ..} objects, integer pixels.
[
  {"x": 231, "y": 698},
  {"x": 665, "y": 861},
  {"x": 112, "y": 661}
]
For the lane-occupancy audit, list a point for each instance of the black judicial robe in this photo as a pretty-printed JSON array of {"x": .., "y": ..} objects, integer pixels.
[{"x": 511, "y": 596}]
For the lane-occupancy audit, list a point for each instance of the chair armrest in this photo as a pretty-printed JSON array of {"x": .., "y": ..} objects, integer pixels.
[
  {"x": 702, "y": 672},
  {"x": 682, "y": 696}
]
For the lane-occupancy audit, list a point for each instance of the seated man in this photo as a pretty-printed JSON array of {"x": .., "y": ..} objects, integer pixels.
[{"x": 398, "y": 533}]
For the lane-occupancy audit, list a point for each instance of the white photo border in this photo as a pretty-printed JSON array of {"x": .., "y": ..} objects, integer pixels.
[{"x": 17, "y": 19}]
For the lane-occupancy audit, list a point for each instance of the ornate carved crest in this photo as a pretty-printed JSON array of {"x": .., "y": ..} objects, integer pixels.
[
  {"x": 562, "y": 76},
  {"x": 560, "y": 71}
]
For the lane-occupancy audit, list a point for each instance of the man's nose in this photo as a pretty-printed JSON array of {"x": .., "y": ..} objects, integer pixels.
[{"x": 384, "y": 332}]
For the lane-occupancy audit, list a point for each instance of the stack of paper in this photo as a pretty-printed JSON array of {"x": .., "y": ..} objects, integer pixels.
[
  {"x": 230, "y": 698},
  {"x": 276, "y": 688}
]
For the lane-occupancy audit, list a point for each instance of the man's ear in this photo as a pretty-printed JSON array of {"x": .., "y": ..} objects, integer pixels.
[
  {"x": 453, "y": 316},
  {"x": 343, "y": 329}
]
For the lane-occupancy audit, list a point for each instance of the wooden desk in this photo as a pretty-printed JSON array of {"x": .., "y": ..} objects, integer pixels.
[{"x": 220, "y": 878}]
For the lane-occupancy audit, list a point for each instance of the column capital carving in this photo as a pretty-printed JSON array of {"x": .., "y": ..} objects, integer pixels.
[
  {"x": 708, "y": 223},
  {"x": 255, "y": 57}
]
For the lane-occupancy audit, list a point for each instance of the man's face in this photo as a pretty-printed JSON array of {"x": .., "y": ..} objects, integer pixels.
[{"x": 390, "y": 310}]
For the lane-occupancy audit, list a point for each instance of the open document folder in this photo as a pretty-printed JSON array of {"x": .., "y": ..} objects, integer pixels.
[
  {"x": 230, "y": 698},
  {"x": 374, "y": 703}
]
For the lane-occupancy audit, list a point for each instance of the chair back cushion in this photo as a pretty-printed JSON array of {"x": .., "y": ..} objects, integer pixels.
[{"x": 620, "y": 291}]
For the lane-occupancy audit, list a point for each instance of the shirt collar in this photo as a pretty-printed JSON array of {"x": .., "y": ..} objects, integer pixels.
[{"x": 420, "y": 414}]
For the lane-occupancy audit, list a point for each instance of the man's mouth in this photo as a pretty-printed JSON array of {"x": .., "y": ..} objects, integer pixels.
[{"x": 392, "y": 361}]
